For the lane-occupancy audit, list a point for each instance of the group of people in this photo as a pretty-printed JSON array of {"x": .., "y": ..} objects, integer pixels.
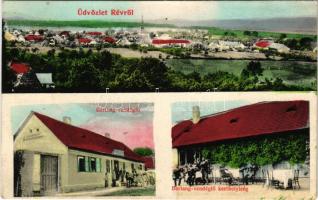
[
  {"x": 192, "y": 174},
  {"x": 199, "y": 172},
  {"x": 130, "y": 178}
]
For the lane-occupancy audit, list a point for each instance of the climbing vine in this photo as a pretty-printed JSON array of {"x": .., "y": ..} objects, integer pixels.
[{"x": 262, "y": 151}]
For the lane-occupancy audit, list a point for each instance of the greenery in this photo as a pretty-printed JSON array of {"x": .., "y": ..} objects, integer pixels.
[
  {"x": 247, "y": 35},
  {"x": 267, "y": 150},
  {"x": 87, "y": 71},
  {"x": 144, "y": 151},
  {"x": 297, "y": 73}
]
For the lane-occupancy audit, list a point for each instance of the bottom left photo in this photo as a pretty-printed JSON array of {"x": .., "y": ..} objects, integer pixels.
[{"x": 103, "y": 149}]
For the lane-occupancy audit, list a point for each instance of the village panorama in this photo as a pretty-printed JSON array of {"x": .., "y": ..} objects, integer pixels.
[{"x": 143, "y": 57}]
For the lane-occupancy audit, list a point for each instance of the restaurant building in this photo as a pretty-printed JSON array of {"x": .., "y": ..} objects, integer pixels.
[
  {"x": 256, "y": 121},
  {"x": 57, "y": 157}
]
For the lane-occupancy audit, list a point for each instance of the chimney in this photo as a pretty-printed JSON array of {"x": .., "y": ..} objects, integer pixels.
[
  {"x": 195, "y": 114},
  {"x": 67, "y": 120},
  {"x": 107, "y": 135}
]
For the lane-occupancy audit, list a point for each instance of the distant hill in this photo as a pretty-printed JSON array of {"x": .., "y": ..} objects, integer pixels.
[
  {"x": 288, "y": 25},
  {"x": 299, "y": 25}
]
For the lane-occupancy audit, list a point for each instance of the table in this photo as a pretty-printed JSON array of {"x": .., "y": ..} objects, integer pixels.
[{"x": 283, "y": 175}]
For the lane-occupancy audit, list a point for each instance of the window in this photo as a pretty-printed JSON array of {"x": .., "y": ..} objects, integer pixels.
[
  {"x": 88, "y": 164},
  {"x": 124, "y": 166},
  {"x": 140, "y": 167},
  {"x": 81, "y": 163},
  {"x": 92, "y": 164}
]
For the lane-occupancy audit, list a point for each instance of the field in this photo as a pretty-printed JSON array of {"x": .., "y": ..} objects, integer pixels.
[
  {"x": 260, "y": 34},
  {"x": 292, "y": 72}
]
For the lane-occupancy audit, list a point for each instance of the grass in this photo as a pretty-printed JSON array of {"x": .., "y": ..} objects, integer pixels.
[
  {"x": 261, "y": 34},
  {"x": 149, "y": 191},
  {"x": 292, "y": 72}
]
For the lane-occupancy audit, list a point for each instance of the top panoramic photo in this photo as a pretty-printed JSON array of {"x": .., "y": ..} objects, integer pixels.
[{"x": 161, "y": 46}]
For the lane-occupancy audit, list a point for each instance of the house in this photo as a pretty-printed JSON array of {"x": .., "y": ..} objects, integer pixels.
[
  {"x": 9, "y": 37},
  {"x": 149, "y": 162},
  {"x": 26, "y": 78},
  {"x": 170, "y": 42},
  {"x": 45, "y": 80},
  {"x": 281, "y": 48},
  {"x": 33, "y": 38},
  {"x": 20, "y": 68},
  {"x": 94, "y": 33},
  {"x": 59, "y": 157},
  {"x": 110, "y": 40},
  {"x": 256, "y": 121},
  {"x": 84, "y": 41},
  {"x": 262, "y": 44}
]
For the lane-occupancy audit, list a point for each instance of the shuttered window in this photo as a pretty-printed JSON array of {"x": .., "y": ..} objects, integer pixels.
[{"x": 88, "y": 164}]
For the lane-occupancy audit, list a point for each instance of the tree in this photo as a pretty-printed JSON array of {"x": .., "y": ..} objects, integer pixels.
[
  {"x": 291, "y": 43},
  {"x": 8, "y": 79},
  {"x": 248, "y": 33},
  {"x": 255, "y": 33},
  {"x": 282, "y": 36},
  {"x": 305, "y": 43},
  {"x": 253, "y": 68},
  {"x": 82, "y": 76},
  {"x": 144, "y": 151}
]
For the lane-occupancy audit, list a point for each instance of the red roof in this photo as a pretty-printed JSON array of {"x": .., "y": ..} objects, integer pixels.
[
  {"x": 94, "y": 33},
  {"x": 247, "y": 121},
  {"x": 79, "y": 138},
  {"x": 109, "y": 40},
  {"x": 149, "y": 162},
  {"x": 263, "y": 43},
  {"x": 20, "y": 68},
  {"x": 33, "y": 38},
  {"x": 84, "y": 40},
  {"x": 170, "y": 41},
  {"x": 66, "y": 33}
]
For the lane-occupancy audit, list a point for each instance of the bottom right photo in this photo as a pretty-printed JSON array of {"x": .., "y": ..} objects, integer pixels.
[{"x": 231, "y": 148}]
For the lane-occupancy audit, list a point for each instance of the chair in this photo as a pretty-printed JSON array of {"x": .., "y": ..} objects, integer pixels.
[
  {"x": 226, "y": 177},
  {"x": 271, "y": 181},
  {"x": 296, "y": 179},
  {"x": 275, "y": 183}
]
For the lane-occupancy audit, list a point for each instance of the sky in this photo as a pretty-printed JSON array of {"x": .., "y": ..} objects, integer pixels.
[
  {"x": 133, "y": 129},
  {"x": 183, "y": 110},
  {"x": 159, "y": 10}
]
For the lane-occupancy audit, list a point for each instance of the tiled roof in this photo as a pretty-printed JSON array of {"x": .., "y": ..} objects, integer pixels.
[
  {"x": 79, "y": 138},
  {"x": 247, "y": 121}
]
